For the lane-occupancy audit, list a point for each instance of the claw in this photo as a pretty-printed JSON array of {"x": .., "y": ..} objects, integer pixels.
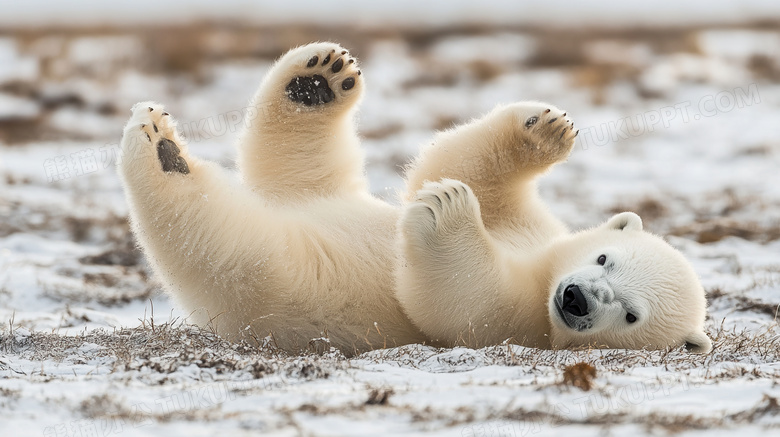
[
  {"x": 576, "y": 133},
  {"x": 548, "y": 110}
]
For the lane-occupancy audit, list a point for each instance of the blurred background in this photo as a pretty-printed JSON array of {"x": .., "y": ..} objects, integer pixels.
[{"x": 678, "y": 103}]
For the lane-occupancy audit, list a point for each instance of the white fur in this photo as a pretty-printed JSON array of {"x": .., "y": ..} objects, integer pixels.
[
  {"x": 300, "y": 250},
  {"x": 484, "y": 261}
]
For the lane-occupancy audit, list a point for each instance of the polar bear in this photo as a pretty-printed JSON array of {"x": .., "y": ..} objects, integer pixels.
[
  {"x": 299, "y": 250},
  {"x": 484, "y": 261}
]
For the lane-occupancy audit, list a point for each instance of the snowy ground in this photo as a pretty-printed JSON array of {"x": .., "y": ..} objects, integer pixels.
[{"x": 679, "y": 125}]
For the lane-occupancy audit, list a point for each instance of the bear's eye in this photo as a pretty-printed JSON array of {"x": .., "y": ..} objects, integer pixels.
[
  {"x": 630, "y": 318},
  {"x": 531, "y": 121},
  {"x": 602, "y": 260}
]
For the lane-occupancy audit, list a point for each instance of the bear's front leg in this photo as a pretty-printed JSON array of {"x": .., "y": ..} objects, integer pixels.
[
  {"x": 450, "y": 279},
  {"x": 547, "y": 136},
  {"x": 499, "y": 156},
  {"x": 513, "y": 141}
]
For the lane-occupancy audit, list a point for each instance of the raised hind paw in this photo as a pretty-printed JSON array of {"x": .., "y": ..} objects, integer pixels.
[
  {"x": 443, "y": 208},
  {"x": 318, "y": 76},
  {"x": 304, "y": 108},
  {"x": 150, "y": 140}
]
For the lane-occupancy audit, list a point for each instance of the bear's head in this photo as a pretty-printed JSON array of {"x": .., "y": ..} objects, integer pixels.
[{"x": 622, "y": 287}]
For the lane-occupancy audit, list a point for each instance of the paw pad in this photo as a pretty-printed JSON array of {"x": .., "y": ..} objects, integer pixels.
[
  {"x": 337, "y": 66},
  {"x": 313, "y": 90},
  {"x": 169, "y": 154},
  {"x": 159, "y": 130},
  {"x": 326, "y": 82}
]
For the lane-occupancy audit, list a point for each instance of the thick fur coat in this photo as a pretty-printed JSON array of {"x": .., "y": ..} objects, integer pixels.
[{"x": 301, "y": 253}]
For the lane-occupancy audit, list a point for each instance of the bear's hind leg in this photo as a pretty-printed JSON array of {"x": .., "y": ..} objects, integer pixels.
[
  {"x": 330, "y": 80},
  {"x": 151, "y": 147},
  {"x": 300, "y": 139},
  {"x": 212, "y": 242}
]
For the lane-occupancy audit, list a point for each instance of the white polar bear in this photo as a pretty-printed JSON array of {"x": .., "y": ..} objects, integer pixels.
[
  {"x": 301, "y": 250},
  {"x": 485, "y": 261}
]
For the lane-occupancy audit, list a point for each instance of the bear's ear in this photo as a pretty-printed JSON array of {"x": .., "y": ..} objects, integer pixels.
[
  {"x": 625, "y": 221},
  {"x": 698, "y": 343}
]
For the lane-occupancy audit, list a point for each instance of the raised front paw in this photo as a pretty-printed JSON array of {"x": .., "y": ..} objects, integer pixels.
[
  {"x": 552, "y": 124},
  {"x": 443, "y": 207},
  {"x": 320, "y": 74},
  {"x": 545, "y": 133},
  {"x": 151, "y": 132}
]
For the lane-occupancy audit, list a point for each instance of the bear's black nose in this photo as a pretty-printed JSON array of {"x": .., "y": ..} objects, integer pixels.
[{"x": 574, "y": 302}]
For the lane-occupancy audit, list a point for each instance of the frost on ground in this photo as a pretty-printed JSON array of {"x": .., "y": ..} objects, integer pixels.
[
  {"x": 158, "y": 377},
  {"x": 678, "y": 125}
]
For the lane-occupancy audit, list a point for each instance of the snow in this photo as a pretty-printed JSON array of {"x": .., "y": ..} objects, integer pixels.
[
  {"x": 400, "y": 13},
  {"x": 11, "y": 106},
  {"x": 13, "y": 66},
  {"x": 90, "y": 346},
  {"x": 506, "y": 48},
  {"x": 739, "y": 45}
]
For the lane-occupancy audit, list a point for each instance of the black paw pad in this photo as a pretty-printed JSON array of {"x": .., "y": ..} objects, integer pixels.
[
  {"x": 348, "y": 83},
  {"x": 337, "y": 66},
  {"x": 313, "y": 61},
  {"x": 310, "y": 91},
  {"x": 168, "y": 153}
]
